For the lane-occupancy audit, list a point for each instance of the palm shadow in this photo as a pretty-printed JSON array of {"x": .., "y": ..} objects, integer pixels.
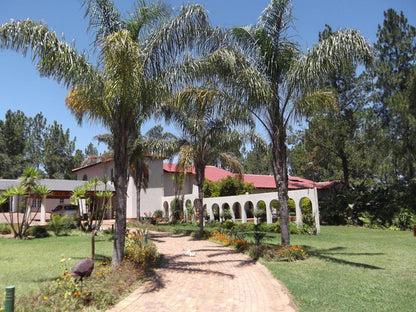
[{"x": 330, "y": 253}]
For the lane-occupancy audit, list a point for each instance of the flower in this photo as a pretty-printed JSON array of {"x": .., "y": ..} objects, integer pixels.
[{"x": 45, "y": 298}]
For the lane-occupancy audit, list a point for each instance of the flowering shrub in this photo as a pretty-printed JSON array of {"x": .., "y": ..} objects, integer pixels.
[
  {"x": 291, "y": 253},
  {"x": 141, "y": 254},
  {"x": 231, "y": 239},
  {"x": 102, "y": 289}
]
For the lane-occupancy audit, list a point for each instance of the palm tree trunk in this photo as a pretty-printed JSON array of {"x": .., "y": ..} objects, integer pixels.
[
  {"x": 281, "y": 179},
  {"x": 120, "y": 183},
  {"x": 200, "y": 178}
]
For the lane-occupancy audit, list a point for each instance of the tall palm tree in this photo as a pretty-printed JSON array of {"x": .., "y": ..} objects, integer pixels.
[
  {"x": 204, "y": 123},
  {"x": 292, "y": 79},
  {"x": 134, "y": 57}
]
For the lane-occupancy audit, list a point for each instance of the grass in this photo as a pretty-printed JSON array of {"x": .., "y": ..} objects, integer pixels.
[
  {"x": 352, "y": 269},
  {"x": 27, "y": 263}
]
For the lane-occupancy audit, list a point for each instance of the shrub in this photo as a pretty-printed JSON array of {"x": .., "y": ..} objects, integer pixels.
[
  {"x": 255, "y": 251},
  {"x": 37, "y": 231},
  {"x": 291, "y": 253},
  {"x": 141, "y": 253},
  {"x": 229, "y": 238},
  {"x": 227, "y": 224},
  {"x": 5, "y": 228},
  {"x": 56, "y": 224},
  {"x": 101, "y": 290},
  {"x": 226, "y": 214},
  {"x": 158, "y": 214}
]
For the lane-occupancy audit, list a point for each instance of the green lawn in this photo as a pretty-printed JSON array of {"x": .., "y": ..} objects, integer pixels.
[
  {"x": 352, "y": 269},
  {"x": 26, "y": 263}
]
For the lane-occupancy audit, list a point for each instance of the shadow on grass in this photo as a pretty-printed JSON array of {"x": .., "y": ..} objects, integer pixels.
[{"x": 328, "y": 255}]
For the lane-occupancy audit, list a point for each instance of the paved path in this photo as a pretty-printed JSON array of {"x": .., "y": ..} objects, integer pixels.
[{"x": 217, "y": 278}]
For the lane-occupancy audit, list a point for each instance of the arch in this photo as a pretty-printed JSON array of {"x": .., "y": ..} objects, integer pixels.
[
  {"x": 249, "y": 210},
  {"x": 274, "y": 208},
  {"x": 189, "y": 210},
  {"x": 237, "y": 211},
  {"x": 166, "y": 209},
  {"x": 306, "y": 211},
  {"x": 216, "y": 212},
  {"x": 292, "y": 209},
  {"x": 176, "y": 209},
  {"x": 84, "y": 177},
  {"x": 260, "y": 212},
  {"x": 226, "y": 212}
]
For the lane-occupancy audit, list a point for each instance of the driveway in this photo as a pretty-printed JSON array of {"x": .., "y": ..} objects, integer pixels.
[{"x": 216, "y": 278}]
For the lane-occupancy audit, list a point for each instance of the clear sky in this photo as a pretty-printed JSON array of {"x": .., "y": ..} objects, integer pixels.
[{"x": 22, "y": 88}]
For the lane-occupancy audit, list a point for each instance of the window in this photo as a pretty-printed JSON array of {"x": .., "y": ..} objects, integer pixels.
[
  {"x": 61, "y": 201},
  {"x": 85, "y": 177},
  {"x": 36, "y": 202}
]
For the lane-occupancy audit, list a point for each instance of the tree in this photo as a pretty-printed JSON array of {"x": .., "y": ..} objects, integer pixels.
[
  {"x": 204, "y": 123},
  {"x": 394, "y": 73},
  {"x": 57, "y": 153},
  {"x": 292, "y": 78},
  {"x": 337, "y": 153},
  {"x": 134, "y": 57},
  {"x": 91, "y": 150},
  {"x": 25, "y": 194},
  {"x": 13, "y": 138}
]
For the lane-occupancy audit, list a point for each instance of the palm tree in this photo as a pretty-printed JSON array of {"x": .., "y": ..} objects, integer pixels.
[
  {"x": 204, "y": 122},
  {"x": 292, "y": 79},
  {"x": 135, "y": 56}
]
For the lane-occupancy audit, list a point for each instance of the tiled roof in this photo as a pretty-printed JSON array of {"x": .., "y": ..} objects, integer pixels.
[{"x": 213, "y": 173}]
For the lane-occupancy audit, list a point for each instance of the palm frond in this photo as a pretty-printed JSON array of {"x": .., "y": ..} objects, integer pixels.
[
  {"x": 331, "y": 53},
  {"x": 104, "y": 18},
  {"x": 147, "y": 16},
  {"x": 54, "y": 58}
]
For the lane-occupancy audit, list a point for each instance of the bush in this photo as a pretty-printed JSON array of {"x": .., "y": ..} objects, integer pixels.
[
  {"x": 226, "y": 214},
  {"x": 255, "y": 251},
  {"x": 37, "y": 231},
  {"x": 56, "y": 224},
  {"x": 158, "y": 214},
  {"x": 141, "y": 253},
  {"x": 227, "y": 224},
  {"x": 5, "y": 228}
]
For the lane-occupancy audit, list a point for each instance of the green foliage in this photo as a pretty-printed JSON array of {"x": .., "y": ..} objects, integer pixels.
[
  {"x": 228, "y": 186},
  {"x": 140, "y": 251},
  {"x": 37, "y": 231},
  {"x": 21, "y": 140},
  {"x": 158, "y": 213},
  {"x": 57, "y": 224},
  {"x": 176, "y": 210},
  {"x": 227, "y": 224},
  {"x": 226, "y": 214},
  {"x": 5, "y": 228}
]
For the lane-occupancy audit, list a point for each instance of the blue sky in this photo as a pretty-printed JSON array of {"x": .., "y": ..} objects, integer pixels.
[{"x": 22, "y": 88}]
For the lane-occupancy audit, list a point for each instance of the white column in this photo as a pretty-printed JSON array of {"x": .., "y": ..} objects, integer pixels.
[
  {"x": 299, "y": 221},
  {"x": 315, "y": 210},
  {"x": 42, "y": 210},
  {"x": 269, "y": 217},
  {"x": 14, "y": 203},
  {"x": 243, "y": 213}
]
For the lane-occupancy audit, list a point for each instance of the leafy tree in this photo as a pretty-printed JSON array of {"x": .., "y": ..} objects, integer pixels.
[
  {"x": 205, "y": 133},
  {"x": 13, "y": 137},
  {"x": 28, "y": 190},
  {"x": 90, "y": 150},
  {"x": 35, "y": 140},
  {"x": 134, "y": 57},
  {"x": 337, "y": 153},
  {"x": 228, "y": 186},
  {"x": 57, "y": 153},
  {"x": 292, "y": 78},
  {"x": 394, "y": 73}
]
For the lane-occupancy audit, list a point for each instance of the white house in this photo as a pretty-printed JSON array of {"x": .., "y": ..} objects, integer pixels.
[{"x": 161, "y": 191}]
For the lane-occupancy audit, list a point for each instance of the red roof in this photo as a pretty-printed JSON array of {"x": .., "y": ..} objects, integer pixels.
[{"x": 213, "y": 173}]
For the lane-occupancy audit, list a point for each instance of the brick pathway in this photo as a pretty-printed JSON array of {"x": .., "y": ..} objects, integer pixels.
[{"x": 217, "y": 278}]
